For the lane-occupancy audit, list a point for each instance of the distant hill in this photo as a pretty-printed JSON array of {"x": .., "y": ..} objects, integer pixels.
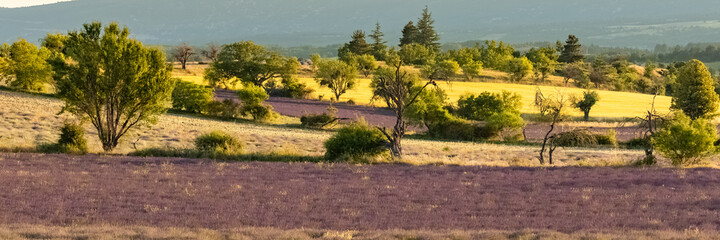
[{"x": 636, "y": 23}]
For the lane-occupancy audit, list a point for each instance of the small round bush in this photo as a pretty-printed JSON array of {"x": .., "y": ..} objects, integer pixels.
[
  {"x": 191, "y": 97},
  {"x": 685, "y": 141},
  {"x": 218, "y": 141},
  {"x": 355, "y": 140},
  {"x": 72, "y": 139},
  {"x": 607, "y": 139},
  {"x": 575, "y": 138},
  {"x": 317, "y": 120}
]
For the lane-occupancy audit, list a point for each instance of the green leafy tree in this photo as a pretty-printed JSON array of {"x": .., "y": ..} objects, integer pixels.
[
  {"x": 410, "y": 34},
  {"x": 472, "y": 69},
  {"x": 250, "y": 63},
  {"x": 5, "y": 70},
  {"x": 519, "y": 68},
  {"x": 113, "y": 80},
  {"x": 685, "y": 141},
  {"x": 694, "y": 92},
  {"x": 416, "y": 54},
  {"x": 399, "y": 90},
  {"x": 466, "y": 56},
  {"x": 496, "y": 55},
  {"x": 429, "y": 110},
  {"x": 545, "y": 61},
  {"x": 337, "y": 75},
  {"x": 54, "y": 42},
  {"x": 252, "y": 98},
  {"x": 571, "y": 52},
  {"x": 442, "y": 70},
  {"x": 482, "y": 106},
  {"x": 27, "y": 67},
  {"x": 191, "y": 97},
  {"x": 602, "y": 73},
  {"x": 378, "y": 45},
  {"x": 576, "y": 72},
  {"x": 366, "y": 64},
  {"x": 588, "y": 101},
  {"x": 427, "y": 36}
]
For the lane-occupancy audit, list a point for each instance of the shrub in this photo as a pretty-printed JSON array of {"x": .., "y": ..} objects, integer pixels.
[
  {"x": 459, "y": 129},
  {"x": 253, "y": 97},
  {"x": 575, "y": 138},
  {"x": 191, "y": 97},
  {"x": 226, "y": 109},
  {"x": 72, "y": 141},
  {"x": 289, "y": 87},
  {"x": 355, "y": 140},
  {"x": 608, "y": 139},
  {"x": 318, "y": 120},
  {"x": 218, "y": 142},
  {"x": 685, "y": 141},
  {"x": 638, "y": 143},
  {"x": 484, "y": 105},
  {"x": 505, "y": 124}
]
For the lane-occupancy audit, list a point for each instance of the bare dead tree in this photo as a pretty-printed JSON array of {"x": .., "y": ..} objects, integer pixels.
[
  {"x": 182, "y": 54},
  {"x": 553, "y": 108},
  {"x": 649, "y": 126},
  {"x": 211, "y": 52},
  {"x": 397, "y": 88}
]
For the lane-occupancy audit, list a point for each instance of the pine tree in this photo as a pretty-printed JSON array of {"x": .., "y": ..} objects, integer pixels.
[
  {"x": 358, "y": 45},
  {"x": 410, "y": 34},
  {"x": 695, "y": 92},
  {"x": 378, "y": 45},
  {"x": 571, "y": 51},
  {"x": 427, "y": 35}
]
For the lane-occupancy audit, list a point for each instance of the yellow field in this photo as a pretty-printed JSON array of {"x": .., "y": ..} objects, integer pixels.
[{"x": 612, "y": 105}]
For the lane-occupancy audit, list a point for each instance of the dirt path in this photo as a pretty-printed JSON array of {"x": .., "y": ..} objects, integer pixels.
[{"x": 63, "y": 190}]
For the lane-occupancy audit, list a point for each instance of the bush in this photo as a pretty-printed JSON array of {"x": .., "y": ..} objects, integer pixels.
[
  {"x": 191, "y": 97},
  {"x": 319, "y": 120},
  {"x": 289, "y": 87},
  {"x": 253, "y": 97},
  {"x": 354, "y": 141},
  {"x": 72, "y": 141},
  {"x": 638, "y": 143},
  {"x": 685, "y": 141},
  {"x": 226, "y": 109},
  {"x": 505, "y": 124},
  {"x": 608, "y": 139},
  {"x": 484, "y": 105},
  {"x": 574, "y": 138},
  {"x": 218, "y": 142},
  {"x": 459, "y": 129}
]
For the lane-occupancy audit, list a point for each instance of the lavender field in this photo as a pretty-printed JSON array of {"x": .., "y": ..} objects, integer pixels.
[{"x": 61, "y": 190}]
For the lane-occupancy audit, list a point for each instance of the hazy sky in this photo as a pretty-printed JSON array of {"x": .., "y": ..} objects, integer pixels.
[{"x": 26, "y": 3}]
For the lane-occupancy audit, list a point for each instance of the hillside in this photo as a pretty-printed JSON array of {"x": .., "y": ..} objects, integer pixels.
[{"x": 321, "y": 22}]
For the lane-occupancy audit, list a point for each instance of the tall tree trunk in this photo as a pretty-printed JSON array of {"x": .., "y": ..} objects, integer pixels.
[
  {"x": 587, "y": 116},
  {"x": 544, "y": 144}
]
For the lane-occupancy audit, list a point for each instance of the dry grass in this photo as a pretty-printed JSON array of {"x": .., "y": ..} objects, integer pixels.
[
  {"x": 140, "y": 232},
  {"x": 29, "y": 120}
]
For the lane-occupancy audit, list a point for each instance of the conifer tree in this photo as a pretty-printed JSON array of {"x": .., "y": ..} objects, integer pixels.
[
  {"x": 571, "y": 51},
  {"x": 410, "y": 34},
  {"x": 379, "y": 44},
  {"x": 427, "y": 35},
  {"x": 358, "y": 45}
]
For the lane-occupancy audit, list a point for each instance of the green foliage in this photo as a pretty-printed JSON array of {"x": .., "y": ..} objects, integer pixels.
[
  {"x": 484, "y": 105},
  {"x": 191, "y": 97},
  {"x": 472, "y": 69},
  {"x": 378, "y": 46},
  {"x": 72, "y": 139},
  {"x": 496, "y": 55},
  {"x": 410, "y": 34},
  {"x": 442, "y": 70},
  {"x": 544, "y": 60},
  {"x": 219, "y": 142},
  {"x": 507, "y": 124},
  {"x": 358, "y": 45},
  {"x": 638, "y": 143},
  {"x": 366, "y": 64},
  {"x": 227, "y": 109},
  {"x": 607, "y": 139},
  {"x": 694, "y": 92},
  {"x": 253, "y": 97},
  {"x": 574, "y": 138},
  {"x": 288, "y": 87},
  {"x": 459, "y": 129},
  {"x": 571, "y": 52},
  {"x": 26, "y": 66},
  {"x": 426, "y": 31},
  {"x": 429, "y": 109},
  {"x": 252, "y": 64},
  {"x": 415, "y": 54},
  {"x": 114, "y": 81},
  {"x": 519, "y": 68},
  {"x": 589, "y": 99},
  {"x": 576, "y": 72},
  {"x": 465, "y": 56},
  {"x": 336, "y": 75},
  {"x": 602, "y": 73},
  {"x": 319, "y": 120},
  {"x": 685, "y": 141},
  {"x": 355, "y": 140}
]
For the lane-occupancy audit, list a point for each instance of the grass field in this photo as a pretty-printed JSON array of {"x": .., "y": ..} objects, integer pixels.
[
  {"x": 612, "y": 105},
  {"x": 30, "y": 120}
]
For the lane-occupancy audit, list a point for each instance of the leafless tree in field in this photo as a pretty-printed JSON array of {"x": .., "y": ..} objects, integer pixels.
[
  {"x": 211, "y": 52},
  {"x": 182, "y": 54}
]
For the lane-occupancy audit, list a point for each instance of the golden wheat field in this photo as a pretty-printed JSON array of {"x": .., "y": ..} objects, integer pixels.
[
  {"x": 612, "y": 105},
  {"x": 29, "y": 120}
]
